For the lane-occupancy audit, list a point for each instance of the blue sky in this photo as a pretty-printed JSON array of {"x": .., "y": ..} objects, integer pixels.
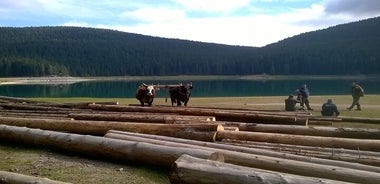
[{"x": 233, "y": 22}]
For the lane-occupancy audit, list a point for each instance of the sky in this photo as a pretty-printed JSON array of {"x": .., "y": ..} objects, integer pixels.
[{"x": 232, "y": 22}]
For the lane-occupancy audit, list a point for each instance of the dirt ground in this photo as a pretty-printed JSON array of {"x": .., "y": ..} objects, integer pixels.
[{"x": 41, "y": 162}]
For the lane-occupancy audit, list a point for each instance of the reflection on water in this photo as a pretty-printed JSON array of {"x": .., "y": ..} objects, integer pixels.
[{"x": 202, "y": 88}]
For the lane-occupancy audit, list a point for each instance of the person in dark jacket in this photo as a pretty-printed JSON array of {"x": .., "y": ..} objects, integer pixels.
[
  {"x": 290, "y": 103},
  {"x": 305, "y": 97},
  {"x": 357, "y": 92},
  {"x": 329, "y": 109}
]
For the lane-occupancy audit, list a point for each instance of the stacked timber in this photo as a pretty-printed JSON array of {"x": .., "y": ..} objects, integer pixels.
[{"x": 223, "y": 145}]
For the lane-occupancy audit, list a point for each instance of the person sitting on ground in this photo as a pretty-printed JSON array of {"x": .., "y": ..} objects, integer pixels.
[
  {"x": 329, "y": 109},
  {"x": 290, "y": 103}
]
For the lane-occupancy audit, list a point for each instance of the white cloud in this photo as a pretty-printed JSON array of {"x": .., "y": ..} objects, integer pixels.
[
  {"x": 159, "y": 14},
  {"x": 235, "y": 22},
  {"x": 213, "y": 5}
]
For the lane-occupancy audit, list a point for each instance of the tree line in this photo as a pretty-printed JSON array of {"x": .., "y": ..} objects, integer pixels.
[{"x": 347, "y": 49}]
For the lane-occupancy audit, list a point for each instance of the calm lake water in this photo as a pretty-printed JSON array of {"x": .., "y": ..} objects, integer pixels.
[{"x": 202, "y": 88}]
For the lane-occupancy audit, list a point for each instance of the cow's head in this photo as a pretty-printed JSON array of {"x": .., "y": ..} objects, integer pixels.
[{"x": 150, "y": 90}]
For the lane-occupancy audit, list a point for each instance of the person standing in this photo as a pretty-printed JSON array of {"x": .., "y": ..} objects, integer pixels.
[
  {"x": 329, "y": 109},
  {"x": 305, "y": 97},
  {"x": 357, "y": 91}
]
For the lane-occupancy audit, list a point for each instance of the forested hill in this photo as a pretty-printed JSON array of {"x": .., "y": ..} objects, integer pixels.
[{"x": 37, "y": 51}]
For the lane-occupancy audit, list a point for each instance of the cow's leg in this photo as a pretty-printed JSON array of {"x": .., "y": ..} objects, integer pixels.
[
  {"x": 179, "y": 102},
  {"x": 142, "y": 103}
]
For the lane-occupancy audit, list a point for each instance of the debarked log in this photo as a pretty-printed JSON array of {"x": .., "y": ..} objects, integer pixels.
[
  {"x": 155, "y": 118},
  {"x": 101, "y": 147},
  {"x": 101, "y": 127},
  {"x": 191, "y": 170},
  {"x": 340, "y": 154},
  {"x": 360, "y": 119},
  {"x": 16, "y": 178},
  {"x": 230, "y": 151},
  {"x": 242, "y": 116},
  {"x": 361, "y": 133},
  {"x": 348, "y": 143},
  {"x": 33, "y": 107}
]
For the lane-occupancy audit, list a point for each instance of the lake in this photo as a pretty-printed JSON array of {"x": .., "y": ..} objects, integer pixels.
[{"x": 202, "y": 88}]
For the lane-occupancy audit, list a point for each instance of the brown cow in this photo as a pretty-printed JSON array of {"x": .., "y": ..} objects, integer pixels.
[
  {"x": 145, "y": 94},
  {"x": 180, "y": 94}
]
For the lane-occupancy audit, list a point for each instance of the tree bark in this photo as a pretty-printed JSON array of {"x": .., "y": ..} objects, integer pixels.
[
  {"x": 348, "y": 143},
  {"x": 143, "y": 153},
  {"x": 101, "y": 127},
  {"x": 191, "y": 170}
]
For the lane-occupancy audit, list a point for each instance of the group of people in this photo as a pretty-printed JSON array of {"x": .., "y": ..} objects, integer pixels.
[{"x": 328, "y": 108}]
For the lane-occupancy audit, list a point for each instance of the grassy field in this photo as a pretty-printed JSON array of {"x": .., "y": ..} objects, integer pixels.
[
  {"x": 370, "y": 103},
  {"x": 43, "y": 162}
]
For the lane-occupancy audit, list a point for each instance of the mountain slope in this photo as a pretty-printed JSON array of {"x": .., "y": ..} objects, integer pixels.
[{"x": 352, "y": 48}]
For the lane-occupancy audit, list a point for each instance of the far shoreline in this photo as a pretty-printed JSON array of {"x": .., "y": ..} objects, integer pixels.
[{"x": 264, "y": 77}]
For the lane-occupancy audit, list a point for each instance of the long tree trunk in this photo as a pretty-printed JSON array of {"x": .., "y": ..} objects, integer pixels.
[
  {"x": 348, "y": 143},
  {"x": 161, "y": 140},
  {"x": 339, "y": 154},
  {"x": 296, "y": 167},
  {"x": 143, "y": 153},
  {"x": 191, "y": 170},
  {"x": 219, "y": 115},
  {"x": 158, "y": 118},
  {"x": 362, "y": 133},
  {"x": 16, "y": 178},
  {"x": 101, "y": 127}
]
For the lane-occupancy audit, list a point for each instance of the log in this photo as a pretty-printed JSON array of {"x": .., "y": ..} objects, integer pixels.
[
  {"x": 348, "y": 143},
  {"x": 101, "y": 147},
  {"x": 160, "y": 118},
  {"x": 191, "y": 170},
  {"x": 231, "y": 150},
  {"x": 34, "y": 115},
  {"x": 15, "y": 178},
  {"x": 360, "y": 133},
  {"x": 19, "y": 100},
  {"x": 319, "y": 123},
  {"x": 32, "y": 107},
  {"x": 101, "y": 127},
  {"x": 360, "y": 119},
  {"x": 219, "y": 115},
  {"x": 362, "y": 157}
]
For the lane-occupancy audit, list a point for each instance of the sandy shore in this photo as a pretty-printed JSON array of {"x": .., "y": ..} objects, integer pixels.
[{"x": 43, "y": 80}]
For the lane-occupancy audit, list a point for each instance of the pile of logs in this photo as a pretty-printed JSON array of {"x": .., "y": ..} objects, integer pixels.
[{"x": 202, "y": 145}]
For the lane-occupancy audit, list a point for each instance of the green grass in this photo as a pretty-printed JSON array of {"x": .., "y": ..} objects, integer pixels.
[{"x": 370, "y": 103}]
